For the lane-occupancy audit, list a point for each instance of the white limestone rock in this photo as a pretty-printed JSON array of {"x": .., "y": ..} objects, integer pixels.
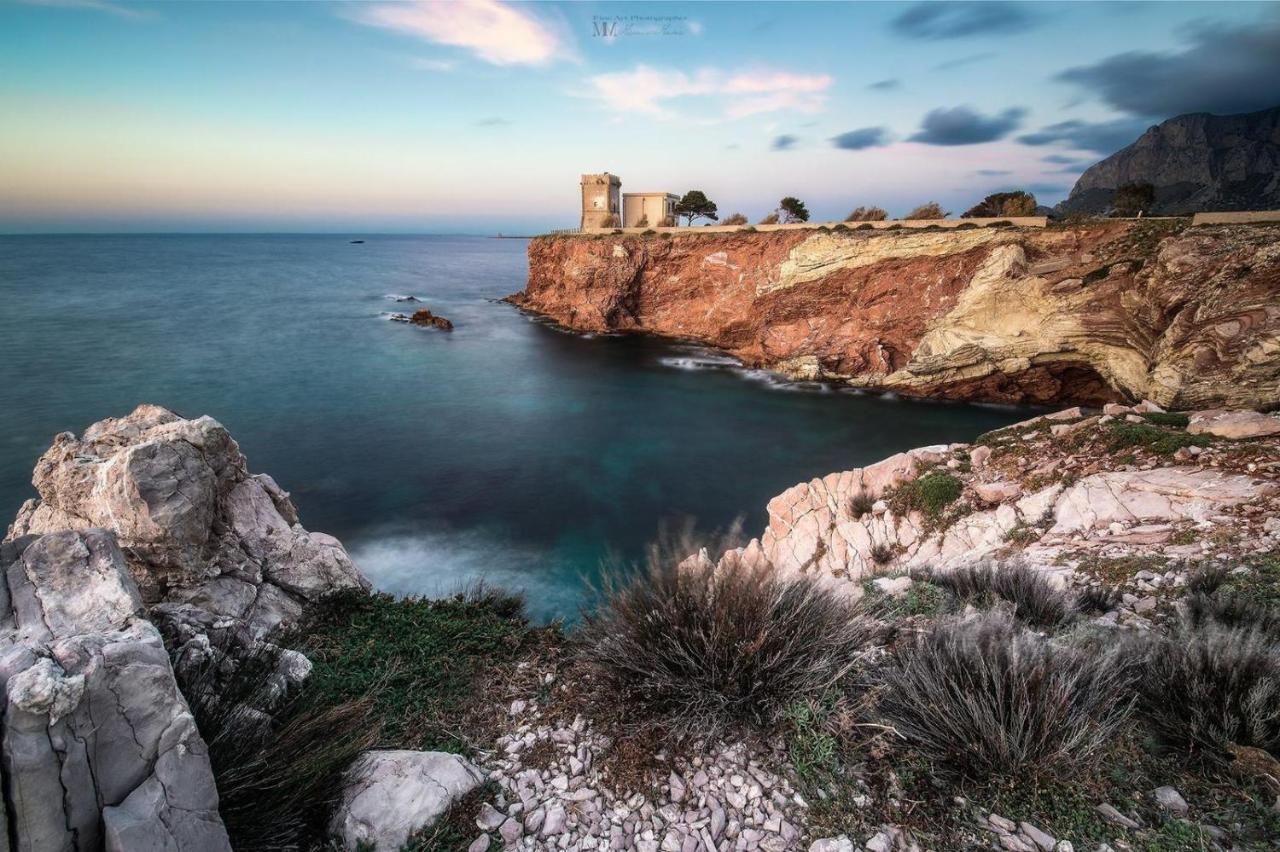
[
  {"x": 392, "y": 794},
  {"x": 1233, "y": 424}
]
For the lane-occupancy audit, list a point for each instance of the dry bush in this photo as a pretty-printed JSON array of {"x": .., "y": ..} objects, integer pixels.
[
  {"x": 1232, "y": 610},
  {"x": 1207, "y": 685},
  {"x": 986, "y": 697},
  {"x": 932, "y": 210},
  {"x": 694, "y": 650},
  {"x": 1032, "y": 598},
  {"x": 861, "y": 504},
  {"x": 867, "y": 214},
  {"x": 279, "y": 775},
  {"x": 1098, "y": 599},
  {"x": 771, "y": 219},
  {"x": 735, "y": 219}
]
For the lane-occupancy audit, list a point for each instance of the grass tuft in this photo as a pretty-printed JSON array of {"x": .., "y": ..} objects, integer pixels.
[
  {"x": 692, "y": 649},
  {"x": 1033, "y": 600},
  {"x": 986, "y": 697}
]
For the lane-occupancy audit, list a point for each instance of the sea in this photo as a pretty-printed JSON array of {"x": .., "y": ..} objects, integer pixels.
[{"x": 508, "y": 451}]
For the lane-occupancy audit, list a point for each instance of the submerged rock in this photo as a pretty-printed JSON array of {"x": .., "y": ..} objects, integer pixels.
[{"x": 392, "y": 794}]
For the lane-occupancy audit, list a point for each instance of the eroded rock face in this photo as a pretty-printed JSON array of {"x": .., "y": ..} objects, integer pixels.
[
  {"x": 1047, "y": 492},
  {"x": 200, "y": 533},
  {"x": 392, "y": 794},
  {"x": 1095, "y": 313},
  {"x": 100, "y": 750}
]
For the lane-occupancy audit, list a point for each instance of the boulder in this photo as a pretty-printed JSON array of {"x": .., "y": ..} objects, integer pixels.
[
  {"x": 100, "y": 750},
  {"x": 208, "y": 543},
  {"x": 1233, "y": 424},
  {"x": 392, "y": 794}
]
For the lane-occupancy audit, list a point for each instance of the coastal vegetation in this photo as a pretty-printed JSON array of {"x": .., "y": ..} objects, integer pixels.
[
  {"x": 929, "y": 210},
  {"x": 1016, "y": 203},
  {"x": 792, "y": 209},
  {"x": 867, "y": 214},
  {"x": 695, "y": 205}
]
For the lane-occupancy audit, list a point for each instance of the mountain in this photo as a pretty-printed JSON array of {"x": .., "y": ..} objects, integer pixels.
[{"x": 1196, "y": 162}]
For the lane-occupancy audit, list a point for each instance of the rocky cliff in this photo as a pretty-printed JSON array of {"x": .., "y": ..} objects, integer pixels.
[
  {"x": 1111, "y": 311},
  {"x": 150, "y": 542},
  {"x": 1085, "y": 499},
  {"x": 1197, "y": 162}
]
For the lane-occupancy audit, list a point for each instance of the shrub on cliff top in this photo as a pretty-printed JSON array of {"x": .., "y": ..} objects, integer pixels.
[
  {"x": 770, "y": 219},
  {"x": 690, "y": 650},
  {"x": 932, "y": 210},
  {"x": 735, "y": 219},
  {"x": 867, "y": 214},
  {"x": 986, "y": 697}
]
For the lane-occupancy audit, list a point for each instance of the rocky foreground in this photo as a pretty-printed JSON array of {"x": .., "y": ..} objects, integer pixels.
[
  {"x": 1104, "y": 311},
  {"x": 152, "y": 551}
]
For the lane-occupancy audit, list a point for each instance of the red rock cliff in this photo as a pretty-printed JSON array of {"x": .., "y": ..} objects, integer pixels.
[{"x": 1103, "y": 311}]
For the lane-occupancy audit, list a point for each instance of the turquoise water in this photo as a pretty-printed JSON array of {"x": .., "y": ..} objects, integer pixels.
[{"x": 507, "y": 449}]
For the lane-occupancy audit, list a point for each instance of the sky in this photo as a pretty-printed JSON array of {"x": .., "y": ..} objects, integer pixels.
[{"x": 480, "y": 116}]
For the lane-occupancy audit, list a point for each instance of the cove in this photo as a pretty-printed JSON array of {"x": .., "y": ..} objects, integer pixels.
[{"x": 506, "y": 450}]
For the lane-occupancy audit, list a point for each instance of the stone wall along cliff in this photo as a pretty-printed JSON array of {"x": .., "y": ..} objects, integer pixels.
[{"x": 1105, "y": 311}]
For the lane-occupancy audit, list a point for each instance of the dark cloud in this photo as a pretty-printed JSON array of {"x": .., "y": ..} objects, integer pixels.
[
  {"x": 1060, "y": 159},
  {"x": 1223, "y": 70},
  {"x": 1105, "y": 137},
  {"x": 863, "y": 137},
  {"x": 993, "y": 172},
  {"x": 935, "y": 21},
  {"x": 493, "y": 121},
  {"x": 885, "y": 85},
  {"x": 785, "y": 142},
  {"x": 965, "y": 126},
  {"x": 962, "y": 61}
]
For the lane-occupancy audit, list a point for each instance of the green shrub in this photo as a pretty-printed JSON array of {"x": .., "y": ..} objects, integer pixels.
[
  {"x": 1124, "y": 435},
  {"x": 987, "y": 698},
  {"x": 1166, "y": 418},
  {"x": 865, "y": 226},
  {"x": 930, "y": 494},
  {"x": 1002, "y": 223},
  {"x": 693, "y": 650},
  {"x": 967, "y": 226}
]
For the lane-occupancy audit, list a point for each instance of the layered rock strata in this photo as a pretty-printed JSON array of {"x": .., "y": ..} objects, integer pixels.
[{"x": 1110, "y": 311}]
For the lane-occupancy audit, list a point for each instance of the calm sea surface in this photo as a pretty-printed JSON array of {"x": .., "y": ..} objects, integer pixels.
[{"x": 506, "y": 450}]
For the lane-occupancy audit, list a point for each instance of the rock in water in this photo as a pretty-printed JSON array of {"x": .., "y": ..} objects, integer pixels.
[
  {"x": 218, "y": 553},
  {"x": 392, "y": 794},
  {"x": 100, "y": 749},
  {"x": 426, "y": 318}
]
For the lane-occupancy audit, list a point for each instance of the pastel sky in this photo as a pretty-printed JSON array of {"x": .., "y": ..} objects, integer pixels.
[{"x": 480, "y": 116}]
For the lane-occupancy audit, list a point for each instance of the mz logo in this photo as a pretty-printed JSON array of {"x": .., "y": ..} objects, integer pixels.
[{"x": 604, "y": 29}]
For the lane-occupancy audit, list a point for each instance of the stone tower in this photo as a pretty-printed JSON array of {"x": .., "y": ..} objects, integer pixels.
[{"x": 601, "y": 201}]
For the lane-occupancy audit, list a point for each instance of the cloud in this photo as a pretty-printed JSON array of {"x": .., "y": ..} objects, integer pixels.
[
  {"x": 495, "y": 32},
  {"x": 935, "y": 21},
  {"x": 960, "y": 62},
  {"x": 963, "y": 125},
  {"x": 1060, "y": 159},
  {"x": 992, "y": 172},
  {"x": 1104, "y": 137},
  {"x": 1223, "y": 70},
  {"x": 493, "y": 121},
  {"x": 646, "y": 90},
  {"x": 441, "y": 65},
  {"x": 1045, "y": 188},
  {"x": 885, "y": 85},
  {"x": 863, "y": 137},
  {"x": 785, "y": 142}
]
